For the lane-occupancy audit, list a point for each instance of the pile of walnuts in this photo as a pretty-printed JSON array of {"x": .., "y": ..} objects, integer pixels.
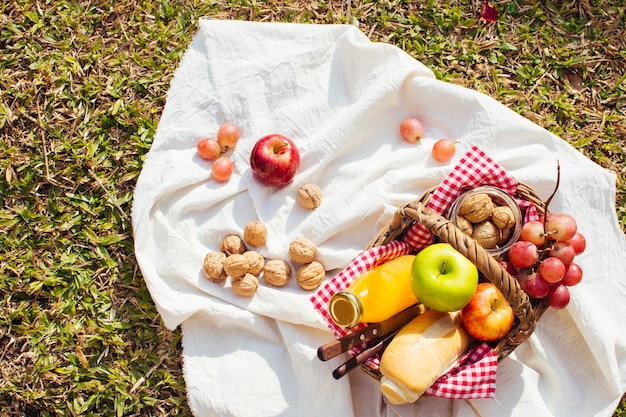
[
  {"x": 486, "y": 222},
  {"x": 246, "y": 266}
]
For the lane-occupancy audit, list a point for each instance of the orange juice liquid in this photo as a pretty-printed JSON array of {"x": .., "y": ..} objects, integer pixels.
[
  {"x": 385, "y": 290},
  {"x": 375, "y": 295}
]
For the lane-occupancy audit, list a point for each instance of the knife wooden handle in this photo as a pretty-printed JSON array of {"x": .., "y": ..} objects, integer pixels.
[{"x": 343, "y": 344}]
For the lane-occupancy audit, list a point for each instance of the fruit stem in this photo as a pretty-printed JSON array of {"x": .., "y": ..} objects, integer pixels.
[
  {"x": 279, "y": 148},
  {"x": 556, "y": 187},
  {"x": 443, "y": 267}
]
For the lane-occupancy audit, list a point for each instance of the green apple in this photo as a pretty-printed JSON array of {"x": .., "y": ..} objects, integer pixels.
[{"x": 442, "y": 278}]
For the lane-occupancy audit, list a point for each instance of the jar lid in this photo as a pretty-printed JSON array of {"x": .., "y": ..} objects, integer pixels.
[{"x": 345, "y": 308}]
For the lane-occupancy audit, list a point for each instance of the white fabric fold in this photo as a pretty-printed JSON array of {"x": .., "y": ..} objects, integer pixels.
[{"x": 341, "y": 99}]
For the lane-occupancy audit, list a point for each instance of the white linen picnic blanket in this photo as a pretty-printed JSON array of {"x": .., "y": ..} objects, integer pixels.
[{"x": 341, "y": 98}]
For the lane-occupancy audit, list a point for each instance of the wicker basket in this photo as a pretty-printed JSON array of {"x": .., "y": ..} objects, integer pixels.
[{"x": 527, "y": 310}]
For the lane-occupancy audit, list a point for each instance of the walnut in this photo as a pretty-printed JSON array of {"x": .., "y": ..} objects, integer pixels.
[
  {"x": 256, "y": 261},
  {"x": 477, "y": 208},
  {"x": 311, "y": 275},
  {"x": 503, "y": 236},
  {"x": 245, "y": 285},
  {"x": 213, "y": 266},
  {"x": 277, "y": 272},
  {"x": 465, "y": 225},
  {"x": 503, "y": 217},
  {"x": 236, "y": 265},
  {"x": 302, "y": 250},
  {"x": 310, "y": 196},
  {"x": 486, "y": 234},
  {"x": 232, "y": 244},
  {"x": 255, "y": 233}
]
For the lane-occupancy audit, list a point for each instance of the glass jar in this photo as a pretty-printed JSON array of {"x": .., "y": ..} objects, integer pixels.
[{"x": 498, "y": 198}]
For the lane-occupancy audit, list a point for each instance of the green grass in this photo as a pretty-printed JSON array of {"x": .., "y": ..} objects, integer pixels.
[{"x": 82, "y": 86}]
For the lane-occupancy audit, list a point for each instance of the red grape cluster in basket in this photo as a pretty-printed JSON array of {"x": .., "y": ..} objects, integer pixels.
[{"x": 542, "y": 259}]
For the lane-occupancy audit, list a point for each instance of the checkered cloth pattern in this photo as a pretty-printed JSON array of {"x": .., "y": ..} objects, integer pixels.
[
  {"x": 473, "y": 169},
  {"x": 474, "y": 375}
]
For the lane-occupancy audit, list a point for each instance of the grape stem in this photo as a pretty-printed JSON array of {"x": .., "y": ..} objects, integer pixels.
[{"x": 556, "y": 187}]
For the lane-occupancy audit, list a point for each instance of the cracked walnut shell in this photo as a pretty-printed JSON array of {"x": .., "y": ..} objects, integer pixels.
[
  {"x": 245, "y": 285},
  {"x": 311, "y": 276},
  {"x": 255, "y": 233},
  {"x": 236, "y": 265},
  {"x": 232, "y": 244},
  {"x": 213, "y": 266},
  {"x": 310, "y": 196},
  {"x": 277, "y": 272},
  {"x": 302, "y": 250},
  {"x": 477, "y": 208}
]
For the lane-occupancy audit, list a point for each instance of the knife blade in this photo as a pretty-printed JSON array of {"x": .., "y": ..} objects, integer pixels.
[{"x": 343, "y": 344}]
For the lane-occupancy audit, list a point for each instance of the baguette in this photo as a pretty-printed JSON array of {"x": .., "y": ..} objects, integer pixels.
[{"x": 420, "y": 353}]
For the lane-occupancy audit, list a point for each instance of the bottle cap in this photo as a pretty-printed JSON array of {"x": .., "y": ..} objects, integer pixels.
[{"x": 345, "y": 308}]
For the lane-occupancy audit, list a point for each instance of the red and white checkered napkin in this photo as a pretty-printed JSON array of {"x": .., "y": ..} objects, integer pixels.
[
  {"x": 474, "y": 375},
  {"x": 475, "y": 168}
]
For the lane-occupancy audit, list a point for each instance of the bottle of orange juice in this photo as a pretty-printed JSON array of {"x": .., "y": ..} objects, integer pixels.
[{"x": 375, "y": 295}]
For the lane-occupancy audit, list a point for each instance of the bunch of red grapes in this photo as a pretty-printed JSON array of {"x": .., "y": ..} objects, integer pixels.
[{"x": 542, "y": 260}]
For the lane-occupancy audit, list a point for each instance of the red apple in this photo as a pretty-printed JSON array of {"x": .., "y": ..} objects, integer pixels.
[
  {"x": 274, "y": 160},
  {"x": 488, "y": 316}
]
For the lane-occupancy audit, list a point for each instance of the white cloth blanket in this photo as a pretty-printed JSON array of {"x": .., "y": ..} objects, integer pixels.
[{"x": 341, "y": 99}]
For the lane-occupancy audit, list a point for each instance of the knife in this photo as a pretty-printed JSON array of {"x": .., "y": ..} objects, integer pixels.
[
  {"x": 362, "y": 356},
  {"x": 343, "y": 344}
]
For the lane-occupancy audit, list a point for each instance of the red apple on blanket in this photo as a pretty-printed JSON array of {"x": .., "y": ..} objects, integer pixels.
[
  {"x": 274, "y": 160},
  {"x": 488, "y": 316}
]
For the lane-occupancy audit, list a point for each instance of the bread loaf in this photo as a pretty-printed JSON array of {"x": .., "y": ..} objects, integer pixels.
[{"x": 420, "y": 353}]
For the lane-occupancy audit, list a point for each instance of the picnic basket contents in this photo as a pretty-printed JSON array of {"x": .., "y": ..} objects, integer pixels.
[{"x": 441, "y": 347}]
